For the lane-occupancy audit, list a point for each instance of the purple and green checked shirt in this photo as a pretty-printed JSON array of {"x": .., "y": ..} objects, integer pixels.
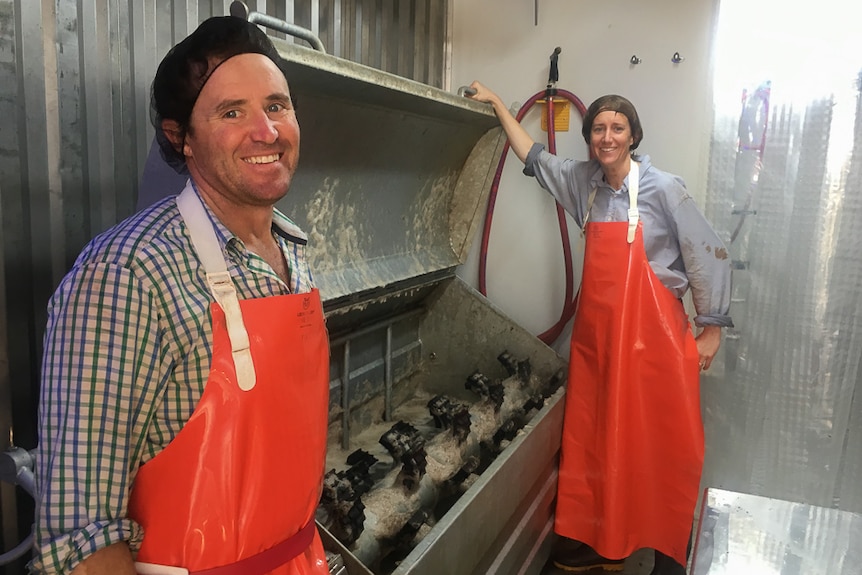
[{"x": 127, "y": 355}]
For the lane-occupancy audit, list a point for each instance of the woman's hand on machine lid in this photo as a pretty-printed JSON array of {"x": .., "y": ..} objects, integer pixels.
[{"x": 477, "y": 91}]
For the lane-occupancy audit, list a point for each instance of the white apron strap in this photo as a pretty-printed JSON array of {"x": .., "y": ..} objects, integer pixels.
[
  {"x": 153, "y": 569},
  {"x": 634, "y": 177},
  {"x": 589, "y": 209},
  {"x": 221, "y": 285}
]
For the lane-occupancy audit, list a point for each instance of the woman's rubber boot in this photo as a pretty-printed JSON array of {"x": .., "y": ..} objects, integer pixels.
[
  {"x": 664, "y": 565},
  {"x": 576, "y": 557}
]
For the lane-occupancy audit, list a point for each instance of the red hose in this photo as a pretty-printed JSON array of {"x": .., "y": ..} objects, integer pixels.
[{"x": 569, "y": 307}]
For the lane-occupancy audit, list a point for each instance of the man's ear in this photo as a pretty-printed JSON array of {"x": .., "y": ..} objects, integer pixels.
[{"x": 174, "y": 134}]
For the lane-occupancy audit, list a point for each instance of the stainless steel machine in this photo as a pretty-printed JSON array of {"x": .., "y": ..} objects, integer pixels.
[{"x": 445, "y": 416}]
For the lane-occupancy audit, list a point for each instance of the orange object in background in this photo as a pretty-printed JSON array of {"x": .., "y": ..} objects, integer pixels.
[{"x": 561, "y": 115}]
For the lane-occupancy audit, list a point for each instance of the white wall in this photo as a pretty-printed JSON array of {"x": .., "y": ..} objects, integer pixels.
[{"x": 499, "y": 43}]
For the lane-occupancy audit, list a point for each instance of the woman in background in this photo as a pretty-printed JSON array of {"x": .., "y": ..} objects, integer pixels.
[{"x": 632, "y": 447}]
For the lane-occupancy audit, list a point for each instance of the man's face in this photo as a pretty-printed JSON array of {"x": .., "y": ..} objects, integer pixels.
[{"x": 243, "y": 139}]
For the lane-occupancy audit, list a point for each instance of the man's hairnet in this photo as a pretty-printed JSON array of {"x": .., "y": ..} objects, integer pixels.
[{"x": 187, "y": 67}]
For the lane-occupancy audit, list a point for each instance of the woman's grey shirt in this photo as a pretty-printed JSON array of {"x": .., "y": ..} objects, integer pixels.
[{"x": 681, "y": 246}]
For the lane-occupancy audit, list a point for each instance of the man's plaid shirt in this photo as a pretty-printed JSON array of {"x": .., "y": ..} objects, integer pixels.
[{"x": 127, "y": 354}]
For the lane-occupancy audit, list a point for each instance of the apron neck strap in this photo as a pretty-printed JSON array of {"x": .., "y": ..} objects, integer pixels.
[
  {"x": 589, "y": 209},
  {"x": 221, "y": 285},
  {"x": 634, "y": 178}
]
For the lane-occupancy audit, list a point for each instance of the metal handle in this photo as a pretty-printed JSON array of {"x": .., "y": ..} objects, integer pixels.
[
  {"x": 16, "y": 467},
  {"x": 466, "y": 91},
  {"x": 554, "y": 71},
  {"x": 240, "y": 10}
]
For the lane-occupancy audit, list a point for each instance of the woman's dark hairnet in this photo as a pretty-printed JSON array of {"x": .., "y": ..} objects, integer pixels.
[
  {"x": 187, "y": 67},
  {"x": 614, "y": 103}
]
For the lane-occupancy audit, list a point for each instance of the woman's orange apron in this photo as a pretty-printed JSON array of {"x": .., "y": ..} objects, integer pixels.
[
  {"x": 632, "y": 449},
  {"x": 236, "y": 491}
]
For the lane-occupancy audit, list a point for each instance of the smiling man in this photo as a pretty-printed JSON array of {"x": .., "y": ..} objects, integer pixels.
[{"x": 185, "y": 375}]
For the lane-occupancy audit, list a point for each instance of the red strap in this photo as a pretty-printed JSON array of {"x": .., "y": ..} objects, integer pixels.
[{"x": 267, "y": 560}]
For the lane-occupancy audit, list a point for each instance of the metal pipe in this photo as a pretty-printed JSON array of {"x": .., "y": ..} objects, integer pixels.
[
  {"x": 18, "y": 551},
  {"x": 27, "y": 481},
  {"x": 16, "y": 467},
  {"x": 240, "y": 10}
]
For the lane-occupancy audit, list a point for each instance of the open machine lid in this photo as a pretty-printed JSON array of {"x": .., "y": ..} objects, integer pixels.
[{"x": 393, "y": 175}]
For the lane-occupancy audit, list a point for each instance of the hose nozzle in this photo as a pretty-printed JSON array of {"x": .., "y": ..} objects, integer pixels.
[{"x": 554, "y": 74}]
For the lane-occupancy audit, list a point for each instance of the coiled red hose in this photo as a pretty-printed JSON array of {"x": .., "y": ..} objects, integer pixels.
[{"x": 554, "y": 331}]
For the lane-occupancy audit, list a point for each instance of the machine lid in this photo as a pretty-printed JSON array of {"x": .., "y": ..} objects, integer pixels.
[{"x": 393, "y": 175}]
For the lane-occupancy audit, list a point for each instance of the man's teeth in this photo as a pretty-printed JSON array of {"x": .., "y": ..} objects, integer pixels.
[{"x": 261, "y": 159}]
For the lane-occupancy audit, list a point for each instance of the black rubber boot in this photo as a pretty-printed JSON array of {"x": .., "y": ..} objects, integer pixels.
[
  {"x": 576, "y": 557},
  {"x": 664, "y": 565}
]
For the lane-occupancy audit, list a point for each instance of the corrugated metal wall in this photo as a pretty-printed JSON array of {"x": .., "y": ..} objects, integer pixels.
[
  {"x": 783, "y": 413},
  {"x": 74, "y": 134}
]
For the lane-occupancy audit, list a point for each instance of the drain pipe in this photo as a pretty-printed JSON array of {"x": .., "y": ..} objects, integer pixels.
[{"x": 16, "y": 467}]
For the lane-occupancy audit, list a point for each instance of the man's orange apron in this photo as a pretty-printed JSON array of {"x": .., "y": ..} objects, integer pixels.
[
  {"x": 236, "y": 491},
  {"x": 632, "y": 448}
]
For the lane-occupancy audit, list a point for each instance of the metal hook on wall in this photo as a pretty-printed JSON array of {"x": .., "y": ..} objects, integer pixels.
[
  {"x": 676, "y": 58},
  {"x": 634, "y": 60}
]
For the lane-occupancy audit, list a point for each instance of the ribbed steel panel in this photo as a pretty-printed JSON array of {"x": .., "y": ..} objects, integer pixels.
[{"x": 782, "y": 407}]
